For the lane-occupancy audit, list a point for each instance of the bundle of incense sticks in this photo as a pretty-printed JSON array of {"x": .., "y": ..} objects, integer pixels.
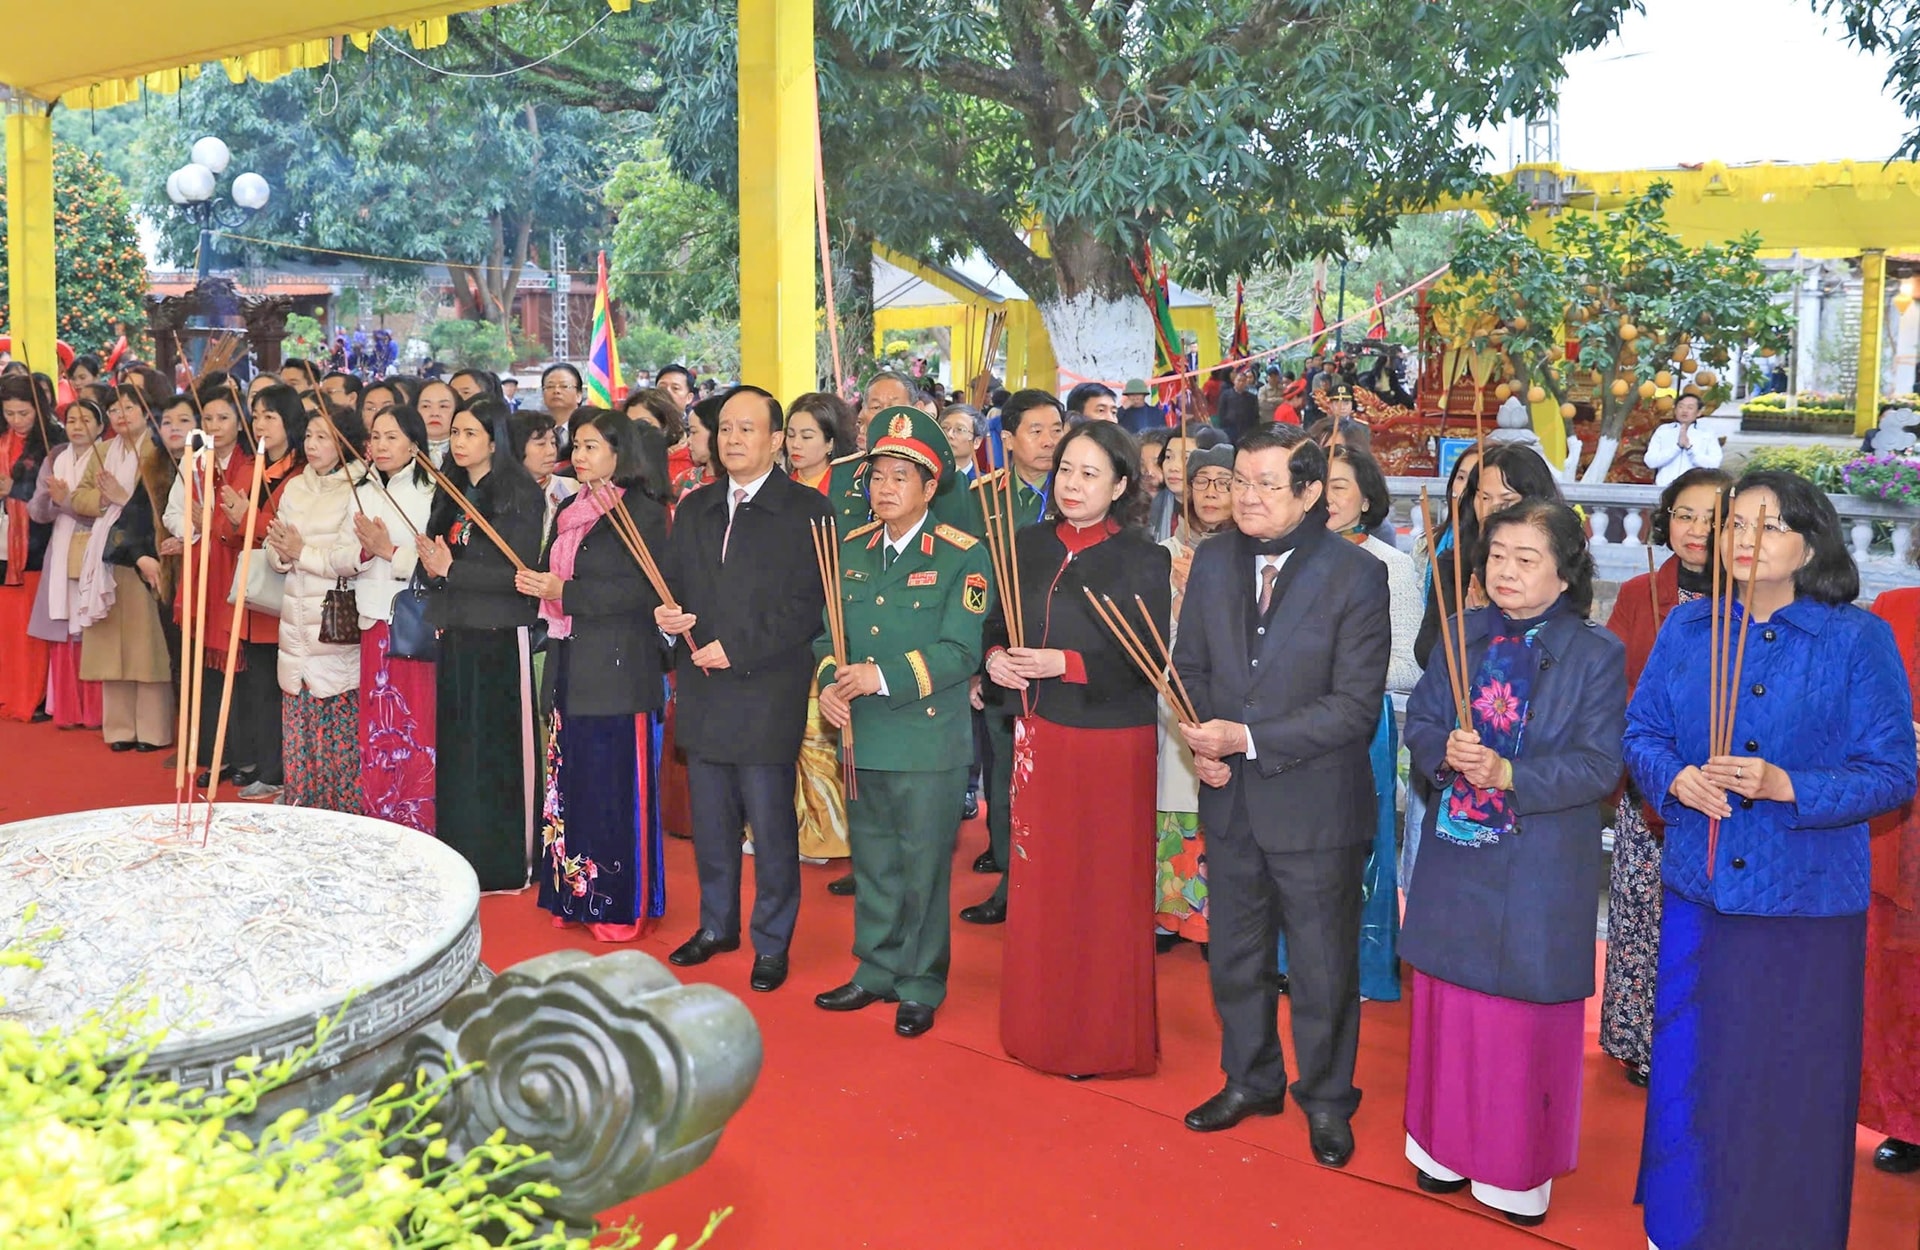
[
  {"x": 996, "y": 507},
  {"x": 1155, "y": 665},
  {"x": 473, "y": 514},
  {"x": 193, "y": 626},
  {"x": 629, "y": 533},
  {"x": 247, "y": 554},
  {"x": 1726, "y": 662},
  {"x": 1456, "y": 658},
  {"x": 1653, "y": 587},
  {"x": 826, "y": 553}
]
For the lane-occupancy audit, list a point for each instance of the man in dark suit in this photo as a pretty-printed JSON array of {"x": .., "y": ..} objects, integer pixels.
[
  {"x": 1283, "y": 645},
  {"x": 740, "y": 562}
]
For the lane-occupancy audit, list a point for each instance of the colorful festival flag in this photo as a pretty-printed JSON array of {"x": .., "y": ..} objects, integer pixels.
[
  {"x": 1318, "y": 328},
  {"x": 1167, "y": 358},
  {"x": 605, "y": 387},
  {"x": 1377, "y": 323}
]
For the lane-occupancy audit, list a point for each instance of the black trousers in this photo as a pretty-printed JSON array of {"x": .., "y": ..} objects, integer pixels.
[
  {"x": 724, "y": 797},
  {"x": 253, "y": 715},
  {"x": 1314, "y": 897}
]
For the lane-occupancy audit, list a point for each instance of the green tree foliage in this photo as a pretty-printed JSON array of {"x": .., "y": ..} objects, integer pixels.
[
  {"x": 470, "y": 344},
  {"x": 1233, "y": 133},
  {"x": 1637, "y": 303},
  {"x": 406, "y": 164},
  {"x": 676, "y": 245},
  {"x": 98, "y": 269}
]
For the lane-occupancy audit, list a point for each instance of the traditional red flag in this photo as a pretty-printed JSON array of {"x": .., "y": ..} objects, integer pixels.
[
  {"x": 1377, "y": 323},
  {"x": 1318, "y": 328}
]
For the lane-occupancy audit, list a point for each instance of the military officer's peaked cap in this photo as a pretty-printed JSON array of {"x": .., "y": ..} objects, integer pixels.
[{"x": 909, "y": 434}]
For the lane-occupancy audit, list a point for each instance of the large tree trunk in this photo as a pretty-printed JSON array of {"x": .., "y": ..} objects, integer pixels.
[
  {"x": 1613, "y": 425},
  {"x": 1101, "y": 329}
]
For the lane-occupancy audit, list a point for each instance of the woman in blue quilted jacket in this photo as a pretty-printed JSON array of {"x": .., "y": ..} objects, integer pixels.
[{"x": 1749, "y": 1140}]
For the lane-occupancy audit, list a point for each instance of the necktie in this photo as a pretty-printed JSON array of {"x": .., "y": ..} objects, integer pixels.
[
  {"x": 739, "y": 497},
  {"x": 887, "y": 556},
  {"x": 1269, "y": 574}
]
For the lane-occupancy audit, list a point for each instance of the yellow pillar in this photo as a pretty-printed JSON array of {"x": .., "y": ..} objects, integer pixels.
[
  {"x": 32, "y": 311},
  {"x": 777, "y": 274},
  {"x": 1873, "y": 311}
]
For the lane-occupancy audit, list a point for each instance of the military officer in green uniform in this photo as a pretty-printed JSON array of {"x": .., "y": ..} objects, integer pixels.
[
  {"x": 914, "y": 595},
  {"x": 1032, "y": 424}
]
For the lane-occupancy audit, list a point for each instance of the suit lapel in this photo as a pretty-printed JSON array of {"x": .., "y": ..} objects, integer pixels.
[
  {"x": 915, "y": 558},
  {"x": 1294, "y": 607},
  {"x": 1241, "y": 598}
]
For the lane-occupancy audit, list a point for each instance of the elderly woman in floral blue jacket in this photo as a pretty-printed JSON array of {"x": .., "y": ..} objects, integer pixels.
[{"x": 1757, "y": 1015}]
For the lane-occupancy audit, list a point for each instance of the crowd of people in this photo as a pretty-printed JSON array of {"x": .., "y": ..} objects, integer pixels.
[{"x": 871, "y": 622}]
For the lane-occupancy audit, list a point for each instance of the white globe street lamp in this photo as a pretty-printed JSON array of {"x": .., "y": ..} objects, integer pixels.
[{"x": 212, "y": 153}]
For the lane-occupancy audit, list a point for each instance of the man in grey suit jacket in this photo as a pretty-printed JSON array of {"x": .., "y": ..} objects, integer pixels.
[{"x": 1283, "y": 645}]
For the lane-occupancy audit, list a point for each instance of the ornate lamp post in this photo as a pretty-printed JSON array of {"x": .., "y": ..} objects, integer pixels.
[{"x": 194, "y": 187}]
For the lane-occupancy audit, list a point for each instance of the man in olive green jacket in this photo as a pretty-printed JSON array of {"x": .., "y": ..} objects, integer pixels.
[{"x": 914, "y": 594}]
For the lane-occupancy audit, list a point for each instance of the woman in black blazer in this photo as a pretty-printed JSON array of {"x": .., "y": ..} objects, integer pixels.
[
  {"x": 1077, "y": 988},
  {"x": 483, "y": 777},
  {"x": 600, "y": 857}
]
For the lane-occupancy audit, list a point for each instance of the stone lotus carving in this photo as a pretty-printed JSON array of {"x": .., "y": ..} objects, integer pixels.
[{"x": 610, "y": 1065}]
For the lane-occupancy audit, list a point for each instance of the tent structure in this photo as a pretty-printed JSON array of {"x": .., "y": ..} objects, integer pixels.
[
  {"x": 1817, "y": 212},
  {"x": 100, "y": 53},
  {"x": 915, "y": 295}
]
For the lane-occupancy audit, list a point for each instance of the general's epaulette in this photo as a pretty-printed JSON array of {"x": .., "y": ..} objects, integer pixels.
[
  {"x": 869, "y": 527},
  {"x": 958, "y": 537},
  {"x": 857, "y": 455}
]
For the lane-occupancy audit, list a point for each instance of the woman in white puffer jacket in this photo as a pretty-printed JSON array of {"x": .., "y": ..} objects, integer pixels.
[{"x": 312, "y": 541}]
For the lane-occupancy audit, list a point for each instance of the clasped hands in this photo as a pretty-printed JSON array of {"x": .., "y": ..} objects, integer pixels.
[
  {"x": 850, "y": 681},
  {"x": 1211, "y": 742},
  {"x": 1482, "y": 766},
  {"x": 1015, "y": 667},
  {"x": 1705, "y": 787},
  {"x": 670, "y": 619}
]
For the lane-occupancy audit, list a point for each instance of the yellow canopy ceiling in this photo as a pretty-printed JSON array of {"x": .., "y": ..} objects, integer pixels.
[
  {"x": 99, "y": 53},
  {"x": 1839, "y": 208}
]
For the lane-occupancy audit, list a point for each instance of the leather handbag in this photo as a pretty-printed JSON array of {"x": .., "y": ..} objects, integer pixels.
[
  {"x": 340, "y": 616},
  {"x": 409, "y": 635},
  {"x": 266, "y": 585}
]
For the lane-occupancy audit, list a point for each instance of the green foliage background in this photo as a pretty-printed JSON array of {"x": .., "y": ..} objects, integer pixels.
[{"x": 99, "y": 272}]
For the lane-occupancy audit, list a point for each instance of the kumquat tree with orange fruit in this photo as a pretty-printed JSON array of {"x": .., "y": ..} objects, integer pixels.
[{"x": 1611, "y": 308}]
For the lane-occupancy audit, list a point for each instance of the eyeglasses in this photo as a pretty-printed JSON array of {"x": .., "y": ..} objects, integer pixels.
[
  {"x": 1743, "y": 527},
  {"x": 1246, "y": 486},
  {"x": 1213, "y": 481},
  {"x": 1687, "y": 516}
]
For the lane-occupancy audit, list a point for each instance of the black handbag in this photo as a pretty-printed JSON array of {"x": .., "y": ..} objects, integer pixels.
[
  {"x": 409, "y": 636},
  {"x": 340, "y": 616}
]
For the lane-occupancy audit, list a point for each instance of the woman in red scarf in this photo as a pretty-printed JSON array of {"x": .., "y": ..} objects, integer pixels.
[{"x": 23, "y": 545}]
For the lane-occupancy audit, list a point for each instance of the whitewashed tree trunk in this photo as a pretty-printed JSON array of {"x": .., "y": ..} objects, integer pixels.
[
  {"x": 1098, "y": 337},
  {"x": 1603, "y": 451}
]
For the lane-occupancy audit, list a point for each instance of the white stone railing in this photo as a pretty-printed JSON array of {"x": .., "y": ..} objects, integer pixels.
[{"x": 1619, "y": 517}]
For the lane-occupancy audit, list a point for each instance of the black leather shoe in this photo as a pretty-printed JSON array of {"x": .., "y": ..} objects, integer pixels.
[
  {"x": 1525, "y": 1221},
  {"x": 769, "y": 973},
  {"x": 1638, "y": 1075},
  {"x": 849, "y": 997},
  {"x": 146, "y": 748},
  {"x": 117, "y": 747},
  {"x": 1331, "y": 1138},
  {"x": 1434, "y": 1185},
  {"x": 842, "y": 886},
  {"x": 912, "y": 1019},
  {"x": 1230, "y": 1106},
  {"x": 986, "y": 863},
  {"x": 699, "y": 948},
  {"x": 992, "y": 911},
  {"x": 971, "y": 807},
  {"x": 1896, "y": 1156},
  {"x": 1164, "y": 942}
]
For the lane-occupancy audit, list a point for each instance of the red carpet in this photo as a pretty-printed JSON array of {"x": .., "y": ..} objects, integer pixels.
[{"x": 855, "y": 1137}]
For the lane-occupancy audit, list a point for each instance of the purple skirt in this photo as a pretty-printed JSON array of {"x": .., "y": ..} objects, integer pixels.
[{"x": 1493, "y": 1084}]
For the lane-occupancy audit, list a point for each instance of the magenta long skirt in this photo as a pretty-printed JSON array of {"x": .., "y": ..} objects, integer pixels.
[
  {"x": 73, "y": 704},
  {"x": 1493, "y": 1084},
  {"x": 396, "y": 734}
]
